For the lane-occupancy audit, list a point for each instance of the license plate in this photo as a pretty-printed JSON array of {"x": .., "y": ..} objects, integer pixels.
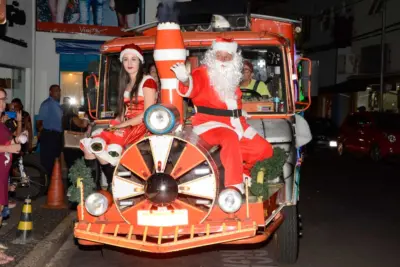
[{"x": 162, "y": 218}]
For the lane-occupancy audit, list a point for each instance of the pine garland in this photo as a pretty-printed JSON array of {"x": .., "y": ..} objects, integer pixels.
[
  {"x": 273, "y": 167},
  {"x": 79, "y": 170}
]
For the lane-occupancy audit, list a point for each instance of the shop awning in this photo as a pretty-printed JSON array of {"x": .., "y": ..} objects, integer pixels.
[
  {"x": 68, "y": 46},
  {"x": 360, "y": 83}
]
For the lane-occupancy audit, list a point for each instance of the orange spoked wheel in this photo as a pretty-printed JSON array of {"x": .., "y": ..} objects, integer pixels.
[{"x": 165, "y": 180}]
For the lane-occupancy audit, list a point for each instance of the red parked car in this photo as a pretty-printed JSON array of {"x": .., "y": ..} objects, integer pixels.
[{"x": 376, "y": 134}]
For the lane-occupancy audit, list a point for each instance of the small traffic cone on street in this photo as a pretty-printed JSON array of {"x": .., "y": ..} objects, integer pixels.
[
  {"x": 25, "y": 225},
  {"x": 55, "y": 194}
]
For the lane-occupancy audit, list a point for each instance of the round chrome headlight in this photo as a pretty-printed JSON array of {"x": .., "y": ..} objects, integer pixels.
[
  {"x": 230, "y": 200},
  {"x": 160, "y": 119},
  {"x": 96, "y": 204}
]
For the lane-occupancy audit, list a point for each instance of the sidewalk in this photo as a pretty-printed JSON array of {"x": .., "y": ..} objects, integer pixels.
[{"x": 44, "y": 222}]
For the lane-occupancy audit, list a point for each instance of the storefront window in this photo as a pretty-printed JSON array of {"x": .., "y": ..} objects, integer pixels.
[
  {"x": 78, "y": 76},
  {"x": 72, "y": 84}
]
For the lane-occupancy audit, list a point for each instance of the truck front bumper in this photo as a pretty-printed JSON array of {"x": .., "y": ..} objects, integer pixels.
[{"x": 164, "y": 239}]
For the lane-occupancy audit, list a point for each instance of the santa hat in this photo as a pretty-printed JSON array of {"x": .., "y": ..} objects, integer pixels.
[
  {"x": 131, "y": 48},
  {"x": 224, "y": 44}
]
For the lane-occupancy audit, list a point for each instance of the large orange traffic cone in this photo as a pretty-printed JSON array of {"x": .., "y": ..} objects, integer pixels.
[
  {"x": 55, "y": 194},
  {"x": 169, "y": 50}
]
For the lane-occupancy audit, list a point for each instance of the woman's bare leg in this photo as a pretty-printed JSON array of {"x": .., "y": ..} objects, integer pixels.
[
  {"x": 53, "y": 10},
  {"x": 130, "y": 20},
  {"x": 61, "y": 6},
  {"x": 121, "y": 20}
]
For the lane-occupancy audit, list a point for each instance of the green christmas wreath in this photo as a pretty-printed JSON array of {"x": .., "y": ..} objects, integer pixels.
[
  {"x": 273, "y": 167},
  {"x": 79, "y": 170}
]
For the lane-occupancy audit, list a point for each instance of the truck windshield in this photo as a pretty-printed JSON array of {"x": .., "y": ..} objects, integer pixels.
[{"x": 270, "y": 97}]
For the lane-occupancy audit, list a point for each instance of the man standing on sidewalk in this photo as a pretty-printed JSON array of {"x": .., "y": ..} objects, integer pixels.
[{"x": 49, "y": 125}]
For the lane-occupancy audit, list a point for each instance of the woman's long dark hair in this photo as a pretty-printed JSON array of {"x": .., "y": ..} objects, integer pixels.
[{"x": 124, "y": 80}]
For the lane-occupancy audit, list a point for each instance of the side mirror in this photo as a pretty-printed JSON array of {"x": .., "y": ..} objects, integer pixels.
[{"x": 303, "y": 84}]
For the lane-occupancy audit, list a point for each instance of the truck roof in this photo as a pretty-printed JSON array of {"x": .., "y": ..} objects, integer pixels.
[
  {"x": 196, "y": 39},
  {"x": 262, "y": 30}
]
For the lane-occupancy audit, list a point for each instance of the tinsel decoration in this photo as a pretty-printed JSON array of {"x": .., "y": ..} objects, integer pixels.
[
  {"x": 79, "y": 170},
  {"x": 273, "y": 168}
]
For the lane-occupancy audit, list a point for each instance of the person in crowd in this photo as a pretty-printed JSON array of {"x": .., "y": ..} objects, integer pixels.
[
  {"x": 66, "y": 104},
  {"x": 8, "y": 146},
  {"x": 126, "y": 12},
  {"x": 72, "y": 122},
  {"x": 3, "y": 23},
  {"x": 137, "y": 92},
  {"x": 91, "y": 6},
  {"x": 57, "y": 9},
  {"x": 249, "y": 83},
  {"x": 15, "y": 129},
  {"x": 49, "y": 126},
  {"x": 6, "y": 209},
  {"x": 25, "y": 121},
  {"x": 152, "y": 71}
]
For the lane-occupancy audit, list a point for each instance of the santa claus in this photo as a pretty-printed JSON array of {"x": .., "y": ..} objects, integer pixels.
[{"x": 214, "y": 90}]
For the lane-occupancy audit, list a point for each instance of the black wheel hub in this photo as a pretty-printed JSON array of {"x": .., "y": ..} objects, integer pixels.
[{"x": 161, "y": 189}]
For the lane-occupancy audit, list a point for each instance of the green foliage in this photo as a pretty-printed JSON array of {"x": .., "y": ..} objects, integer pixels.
[
  {"x": 273, "y": 167},
  {"x": 259, "y": 189},
  {"x": 79, "y": 170}
]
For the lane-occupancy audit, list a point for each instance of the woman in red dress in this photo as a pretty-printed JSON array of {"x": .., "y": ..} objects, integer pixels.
[
  {"x": 137, "y": 92},
  {"x": 8, "y": 146}
]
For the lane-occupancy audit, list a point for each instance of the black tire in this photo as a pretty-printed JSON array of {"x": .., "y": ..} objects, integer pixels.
[
  {"x": 287, "y": 236},
  {"x": 375, "y": 153},
  {"x": 40, "y": 181}
]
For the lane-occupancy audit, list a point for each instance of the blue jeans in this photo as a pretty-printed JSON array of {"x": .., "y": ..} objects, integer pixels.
[{"x": 84, "y": 10}]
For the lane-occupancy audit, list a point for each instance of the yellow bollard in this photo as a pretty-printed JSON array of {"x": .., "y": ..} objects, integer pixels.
[{"x": 260, "y": 180}]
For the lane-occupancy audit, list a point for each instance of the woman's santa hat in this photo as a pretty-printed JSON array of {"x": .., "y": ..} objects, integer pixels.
[
  {"x": 132, "y": 49},
  {"x": 224, "y": 44}
]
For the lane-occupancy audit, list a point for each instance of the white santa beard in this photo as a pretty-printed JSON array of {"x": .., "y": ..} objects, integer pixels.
[{"x": 225, "y": 79}]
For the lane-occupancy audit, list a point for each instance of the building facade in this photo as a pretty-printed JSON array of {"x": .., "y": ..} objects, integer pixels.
[{"x": 344, "y": 37}]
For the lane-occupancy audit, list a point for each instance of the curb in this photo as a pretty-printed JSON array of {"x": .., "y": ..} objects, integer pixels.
[{"x": 49, "y": 246}]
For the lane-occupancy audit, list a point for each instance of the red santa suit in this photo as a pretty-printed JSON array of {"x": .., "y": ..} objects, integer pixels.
[
  {"x": 117, "y": 140},
  {"x": 232, "y": 133}
]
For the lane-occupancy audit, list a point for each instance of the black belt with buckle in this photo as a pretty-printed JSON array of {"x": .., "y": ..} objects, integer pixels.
[{"x": 236, "y": 113}]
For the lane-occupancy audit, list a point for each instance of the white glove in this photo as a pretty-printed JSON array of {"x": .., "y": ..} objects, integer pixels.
[
  {"x": 245, "y": 114},
  {"x": 180, "y": 72},
  {"x": 23, "y": 137}
]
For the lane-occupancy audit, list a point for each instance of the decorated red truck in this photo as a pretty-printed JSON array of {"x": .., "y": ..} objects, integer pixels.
[{"x": 186, "y": 172}]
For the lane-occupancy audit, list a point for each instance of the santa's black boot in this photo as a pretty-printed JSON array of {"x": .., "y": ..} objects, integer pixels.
[
  {"x": 94, "y": 166},
  {"x": 108, "y": 171}
]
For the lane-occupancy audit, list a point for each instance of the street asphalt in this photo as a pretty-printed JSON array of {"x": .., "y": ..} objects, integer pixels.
[{"x": 350, "y": 217}]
